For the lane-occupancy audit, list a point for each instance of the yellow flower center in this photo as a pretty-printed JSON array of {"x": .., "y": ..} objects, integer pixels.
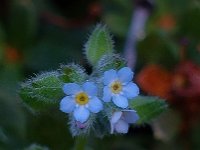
[
  {"x": 81, "y": 98},
  {"x": 116, "y": 87}
]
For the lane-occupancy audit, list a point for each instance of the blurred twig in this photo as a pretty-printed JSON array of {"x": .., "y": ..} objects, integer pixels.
[{"x": 137, "y": 29}]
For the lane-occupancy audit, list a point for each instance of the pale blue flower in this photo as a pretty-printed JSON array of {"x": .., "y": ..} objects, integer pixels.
[
  {"x": 81, "y": 100},
  {"x": 119, "y": 86},
  {"x": 120, "y": 120}
]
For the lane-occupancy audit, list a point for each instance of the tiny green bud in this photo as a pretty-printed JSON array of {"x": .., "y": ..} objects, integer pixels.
[
  {"x": 111, "y": 61},
  {"x": 72, "y": 73}
]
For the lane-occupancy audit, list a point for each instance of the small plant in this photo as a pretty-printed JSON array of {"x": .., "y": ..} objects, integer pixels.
[{"x": 105, "y": 102}]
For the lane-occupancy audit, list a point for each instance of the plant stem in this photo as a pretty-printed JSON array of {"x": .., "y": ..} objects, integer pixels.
[{"x": 80, "y": 143}]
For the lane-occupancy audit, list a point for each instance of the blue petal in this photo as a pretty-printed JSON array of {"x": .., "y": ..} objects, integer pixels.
[
  {"x": 120, "y": 101},
  {"x": 121, "y": 126},
  {"x": 106, "y": 94},
  {"x": 67, "y": 104},
  {"x": 81, "y": 114},
  {"x": 115, "y": 117},
  {"x": 125, "y": 74},
  {"x": 130, "y": 116},
  {"x": 109, "y": 76},
  {"x": 130, "y": 90},
  {"x": 71, "y": 88},
  {"x": 95, "y": 105},
  {"x": 90, "y": 88}
]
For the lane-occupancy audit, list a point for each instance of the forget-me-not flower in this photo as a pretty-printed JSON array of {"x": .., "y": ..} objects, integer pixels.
[
  {"x": 81, "y": 100},
  {"x": 119, "y": 86},
  {"x": 120, "y": 120}
]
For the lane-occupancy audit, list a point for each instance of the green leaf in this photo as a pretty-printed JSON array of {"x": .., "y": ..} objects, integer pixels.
[
  {"x": 98, "y": 44},
  {"x": 148, "y": 107},
  {"x": 42, "y": 91},
  {"x": 72, "y": 73}
]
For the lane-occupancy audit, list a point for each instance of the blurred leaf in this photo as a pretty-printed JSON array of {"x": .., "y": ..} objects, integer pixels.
[
  {"x": 36, "y": 147},
  {"x": 98, "y": 44},
  {"x": 117, "y": 23},
  {"x": 172, "y": 6},
  {"x": 195, "y": 136},
  {"x": 12, "y": 120},
  {"x": 55, "y": 46},
  {"x": 49, "y": 128},
  {"x": 3, "y": 137},
  {"x": 22, "y": 23},
  {"x": 10, "y": 74},
  {"x": 42, "y": 91},
  {"x": 148, "y": 107},
  {"x": 190, "y": 22},
  {"x": 1, "y": 43},
  {"x": 166, "y": 126},
  {"x": 117, "y": 15},
  {"x": 159, "y": 49},
  {"x": 192, "y": 50}
]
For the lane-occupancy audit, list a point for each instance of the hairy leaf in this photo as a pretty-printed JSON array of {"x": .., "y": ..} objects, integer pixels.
[
  {"x": 98, "y": 44},
  {"x": 43, "y": 90},
  {"x": 148, "y": 107}
]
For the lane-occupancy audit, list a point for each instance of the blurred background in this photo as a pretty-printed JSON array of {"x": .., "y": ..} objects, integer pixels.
[{"x": 160, "y": 40}]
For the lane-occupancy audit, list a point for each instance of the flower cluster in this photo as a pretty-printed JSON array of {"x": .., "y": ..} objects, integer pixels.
[
  {"x": 104, "y": 102},
  {"x": 112, "y": 99}
]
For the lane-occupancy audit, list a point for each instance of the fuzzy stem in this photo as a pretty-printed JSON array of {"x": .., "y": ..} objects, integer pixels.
[{"x": 80, "y": 143}]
